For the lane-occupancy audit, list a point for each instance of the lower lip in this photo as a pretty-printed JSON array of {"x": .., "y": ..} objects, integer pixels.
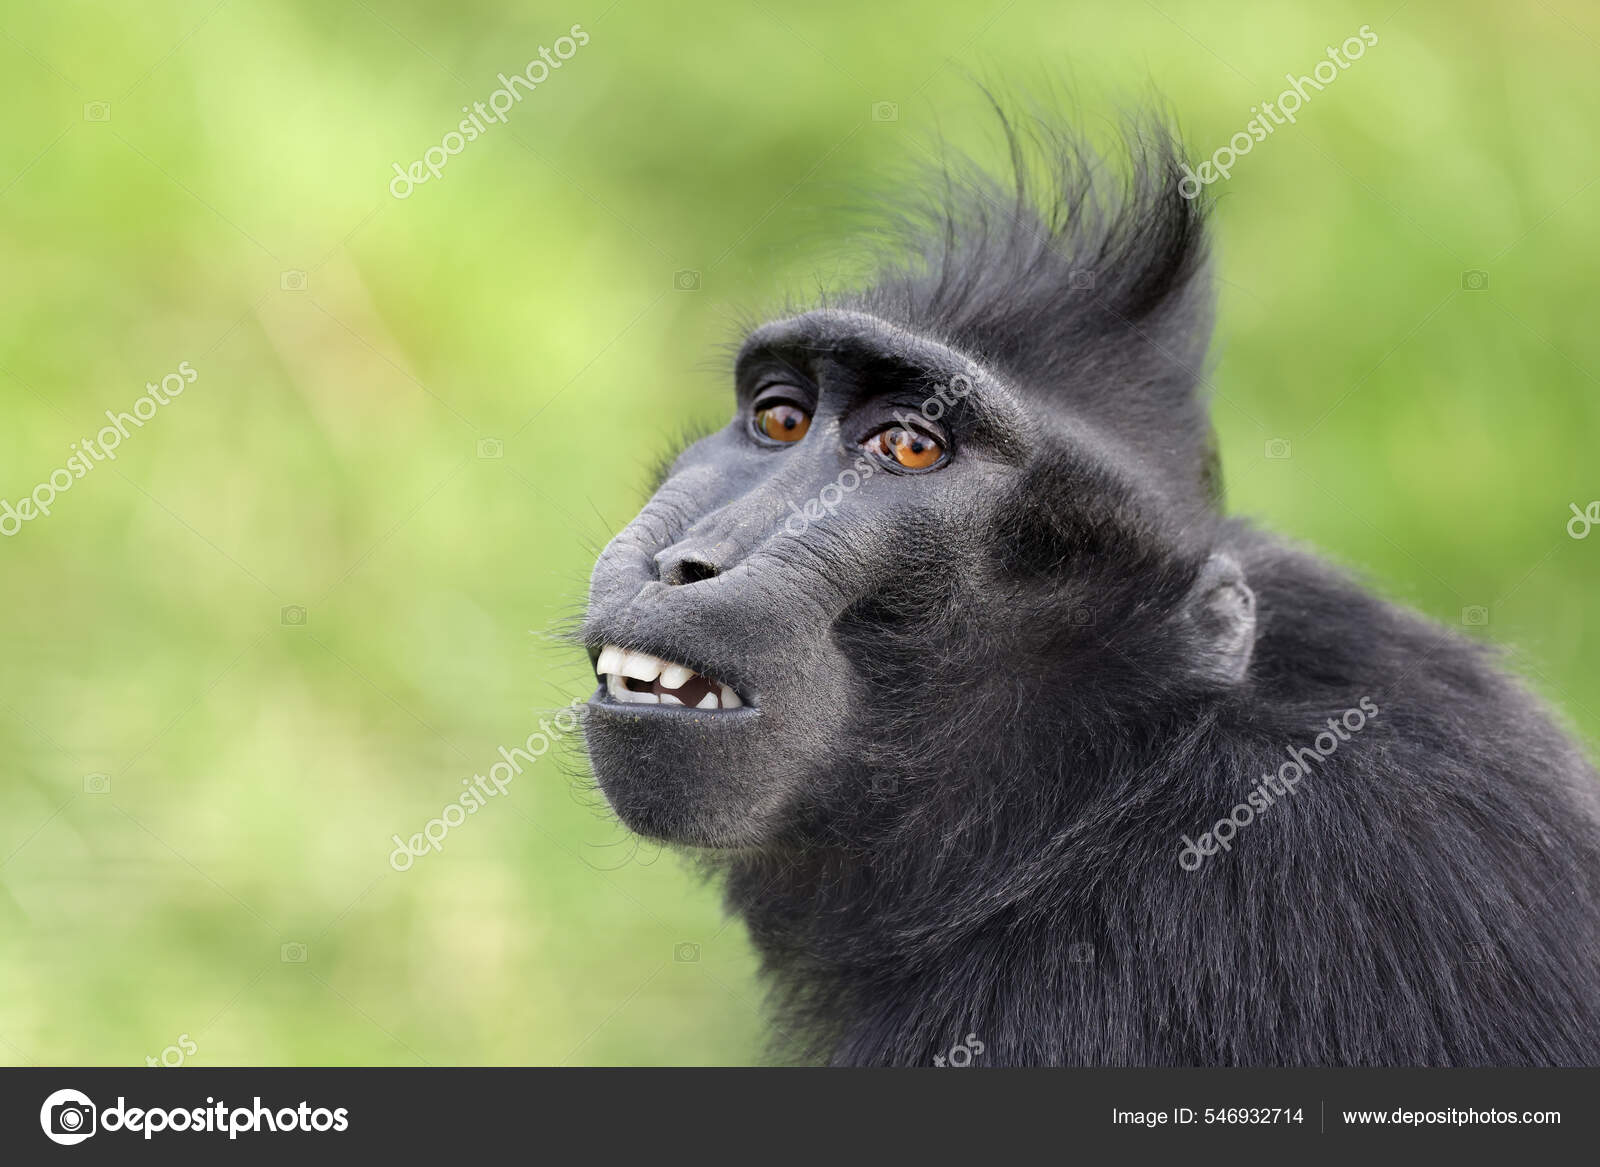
[{"x": 602, "y": 702}]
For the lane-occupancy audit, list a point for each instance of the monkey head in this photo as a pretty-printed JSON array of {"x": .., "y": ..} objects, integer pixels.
[{"x": 946, "y": 513}]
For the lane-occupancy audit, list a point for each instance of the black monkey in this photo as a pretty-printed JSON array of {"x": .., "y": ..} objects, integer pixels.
[{"x": 944, "y": 656}]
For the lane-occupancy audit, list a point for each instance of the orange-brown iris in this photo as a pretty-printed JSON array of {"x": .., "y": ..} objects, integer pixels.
[
  {"x": 908, "y": 448},
  {"x": 783, "y": 422}
]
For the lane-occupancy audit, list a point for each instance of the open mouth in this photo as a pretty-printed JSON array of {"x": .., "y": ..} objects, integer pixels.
[{"x": 638, "y": 678}]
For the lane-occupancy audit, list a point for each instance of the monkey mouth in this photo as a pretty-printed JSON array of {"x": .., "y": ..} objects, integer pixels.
[{"x": 640, "y": 678}]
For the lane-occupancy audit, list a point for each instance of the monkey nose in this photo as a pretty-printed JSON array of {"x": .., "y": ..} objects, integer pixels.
[{"x": 686, "y": 564}]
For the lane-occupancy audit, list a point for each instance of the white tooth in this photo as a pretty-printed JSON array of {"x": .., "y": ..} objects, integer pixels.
[
  {"x": 669, "y": 699},
  {"x": 615, "y": 689},
  {"x": 673, "y": 676},
  {"x": 709, "y": 701},
  {"x": 610, "y": 660},
  {"x": 730, "y": 699},
  {"x": 635, "y": 698},
  {"x": 641, "y": 666}
]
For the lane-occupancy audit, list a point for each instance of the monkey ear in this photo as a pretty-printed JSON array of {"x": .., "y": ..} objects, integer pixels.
[{"x": 1220, "y": 617}]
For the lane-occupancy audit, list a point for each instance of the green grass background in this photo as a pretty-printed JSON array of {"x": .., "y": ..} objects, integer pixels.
[{"x": 327, "y": 454}]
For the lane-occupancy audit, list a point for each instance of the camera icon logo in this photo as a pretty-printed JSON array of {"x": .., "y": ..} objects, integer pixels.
[
  {"x": 686, "y": 953},
  {"x": 1474, "y": 615},
  {"x": 1474, "y": 281},
  {"x": 1080, "y": 952},
  {"x": 97, "y": 783},
  {"x": 292, "y": 953},
  {"x": 292, "y": 280},
  {"x": 1277, "y": 449},
  {"x": 97, "y": 111},
  {"x": 491, "y": 448},
  {"x": 687, "y": 280},
  {"x": 293, "y": 616},
  {"x": 1481, "y": 953},
  {"x": 67, "y": 1117},
  {"x": 886, "y": 111},
  {"x": 1080, "y": 279}
]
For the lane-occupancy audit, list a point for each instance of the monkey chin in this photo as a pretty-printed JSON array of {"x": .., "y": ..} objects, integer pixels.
[
  {"x": 718, "y": 711},
  {"x": 687, "y": 778}
]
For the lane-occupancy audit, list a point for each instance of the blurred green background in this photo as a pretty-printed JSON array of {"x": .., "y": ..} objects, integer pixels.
[{"x": 198, "y": 796}]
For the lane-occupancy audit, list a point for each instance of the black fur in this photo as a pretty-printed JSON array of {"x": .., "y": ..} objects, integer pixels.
[{"x": 989, "y": 702}]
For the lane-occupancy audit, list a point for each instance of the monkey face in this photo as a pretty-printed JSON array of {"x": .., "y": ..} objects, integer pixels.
[{"x": 723, "y": 619}]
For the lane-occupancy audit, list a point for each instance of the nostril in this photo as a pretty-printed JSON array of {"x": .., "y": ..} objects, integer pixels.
[{"x": 686, "y": 569}]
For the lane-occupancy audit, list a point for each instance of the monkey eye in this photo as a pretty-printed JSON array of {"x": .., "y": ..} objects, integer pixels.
[
  {"x": 782, "y": 421},
  {"x": 908, "y": 449}
]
